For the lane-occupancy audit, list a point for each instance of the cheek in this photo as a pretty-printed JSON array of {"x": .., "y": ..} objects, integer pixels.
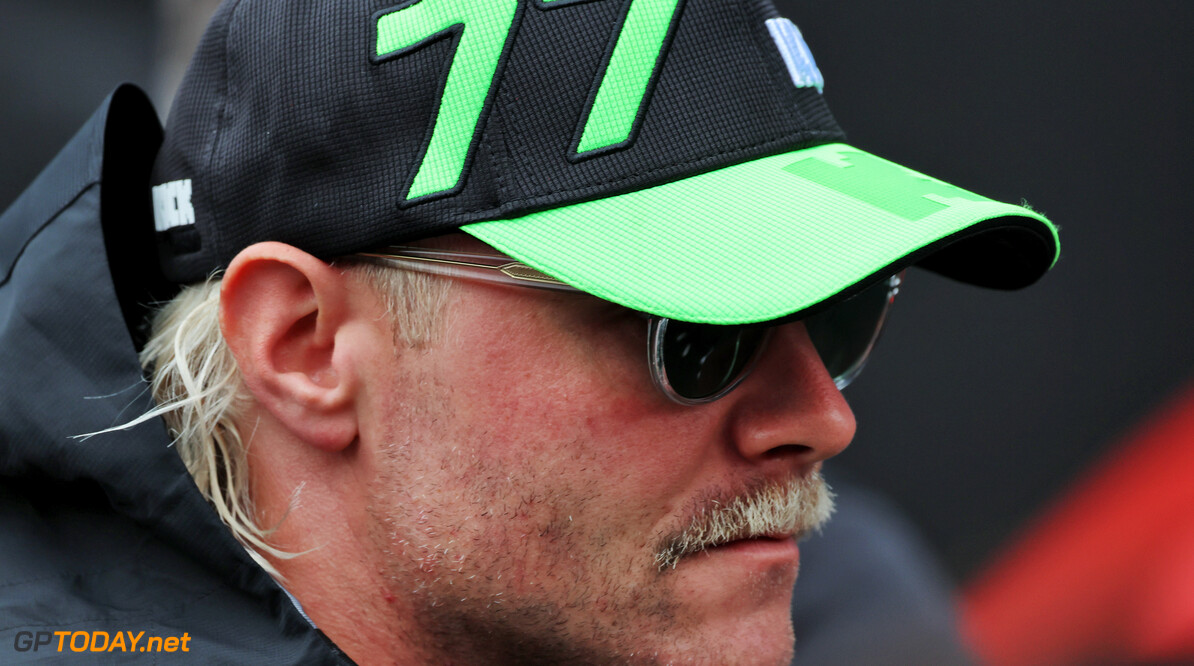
[
  {"x": 573, "y": 402},
  {"x": 579, "y": 423},
  {"x": 527, "y": 385}
]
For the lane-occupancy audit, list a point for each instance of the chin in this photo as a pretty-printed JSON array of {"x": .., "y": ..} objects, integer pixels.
[
  {"x": 738, "y": 617},
  {"x": 770, "y": 650},
  {"x": 763, "y": 637},
  {"x": 771, "y": 643}
]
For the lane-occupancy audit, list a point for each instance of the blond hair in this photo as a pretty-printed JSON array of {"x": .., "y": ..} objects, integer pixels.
[{"x": 201, "y": 395}]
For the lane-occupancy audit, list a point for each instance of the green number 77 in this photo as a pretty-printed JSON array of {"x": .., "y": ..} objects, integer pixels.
[{"x": 486, "y": 27}]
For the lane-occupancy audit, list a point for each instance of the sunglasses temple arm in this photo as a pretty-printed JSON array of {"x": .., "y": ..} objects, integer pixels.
[{"x": 510, "y": 272}]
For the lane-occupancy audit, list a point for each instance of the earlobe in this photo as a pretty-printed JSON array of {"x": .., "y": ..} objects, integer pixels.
[{"x": 282, "y": 313}]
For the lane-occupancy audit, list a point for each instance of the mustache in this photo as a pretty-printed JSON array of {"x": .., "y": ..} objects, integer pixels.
[{"x": 795, "y": 506}]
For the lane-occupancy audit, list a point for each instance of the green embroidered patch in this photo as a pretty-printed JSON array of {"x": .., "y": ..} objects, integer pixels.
[
  {"x": 627, "y": 74},
  {"x": 484, "y": 29}
]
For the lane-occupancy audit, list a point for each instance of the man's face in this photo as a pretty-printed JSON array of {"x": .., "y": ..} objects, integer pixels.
[{"x": 529, "y": 479}]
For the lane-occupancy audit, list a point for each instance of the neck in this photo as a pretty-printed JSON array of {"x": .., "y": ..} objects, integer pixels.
[{"x": 316, "y": 504}]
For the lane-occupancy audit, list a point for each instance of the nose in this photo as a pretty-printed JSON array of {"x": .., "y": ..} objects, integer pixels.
[{"x": 789, "y": 408}]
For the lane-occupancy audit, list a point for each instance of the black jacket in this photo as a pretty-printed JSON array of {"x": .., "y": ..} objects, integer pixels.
[{"x": 110, "y": 533}]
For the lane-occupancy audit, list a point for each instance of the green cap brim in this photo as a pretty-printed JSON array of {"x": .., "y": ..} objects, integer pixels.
[{"x": 776, "y": 237}]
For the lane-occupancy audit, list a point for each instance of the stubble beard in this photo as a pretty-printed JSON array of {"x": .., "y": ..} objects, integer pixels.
[
  {"x": 492, "y": 567},
  {"x": 517, "y": 580},
  {"x": 537, "y": 596}
]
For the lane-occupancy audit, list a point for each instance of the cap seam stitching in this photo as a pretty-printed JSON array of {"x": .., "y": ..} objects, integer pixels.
[
  {"x": 497, "y": 125},
  {"x": 229, "y": 88}
]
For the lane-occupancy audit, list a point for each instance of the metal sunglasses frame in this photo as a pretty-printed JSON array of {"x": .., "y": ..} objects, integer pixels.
[{"x": 500, "y": 269}]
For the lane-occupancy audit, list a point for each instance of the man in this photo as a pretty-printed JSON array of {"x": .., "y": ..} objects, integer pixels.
[{"x": 446, "y": 232}]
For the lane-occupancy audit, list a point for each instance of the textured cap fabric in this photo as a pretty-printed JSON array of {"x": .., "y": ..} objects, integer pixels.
[
  {"x": 575, "y": 135},
  {"x": 770, "y": 238}
]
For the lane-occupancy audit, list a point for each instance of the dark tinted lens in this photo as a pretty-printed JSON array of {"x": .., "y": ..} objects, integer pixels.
[
  {"x": 701, "y": 359},
  {"x": 844, "y": 333}
]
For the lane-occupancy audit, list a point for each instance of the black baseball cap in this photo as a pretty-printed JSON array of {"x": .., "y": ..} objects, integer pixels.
[{"x": 673, "y": 156}]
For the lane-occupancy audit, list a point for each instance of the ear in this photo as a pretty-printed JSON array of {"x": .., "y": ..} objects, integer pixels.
[{"x": 282, "y": 313}]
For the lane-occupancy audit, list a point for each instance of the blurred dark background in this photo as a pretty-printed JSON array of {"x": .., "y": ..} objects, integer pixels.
[{"x": 980, "y": 406}]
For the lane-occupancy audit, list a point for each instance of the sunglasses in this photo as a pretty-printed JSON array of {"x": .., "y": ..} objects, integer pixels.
[{"x": 690, "y": 363}]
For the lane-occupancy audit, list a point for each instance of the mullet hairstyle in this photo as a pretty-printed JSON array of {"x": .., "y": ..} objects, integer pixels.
[{"x": 201, "y": 395}]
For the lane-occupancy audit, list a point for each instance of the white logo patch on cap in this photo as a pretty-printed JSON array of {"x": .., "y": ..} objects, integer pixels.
[
  {"x": 801, "y": 66},
  {"x": 172, "y": 205}
]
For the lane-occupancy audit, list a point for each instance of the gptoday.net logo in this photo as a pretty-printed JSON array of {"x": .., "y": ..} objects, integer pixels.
[{"x": 99, "y": 641}]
